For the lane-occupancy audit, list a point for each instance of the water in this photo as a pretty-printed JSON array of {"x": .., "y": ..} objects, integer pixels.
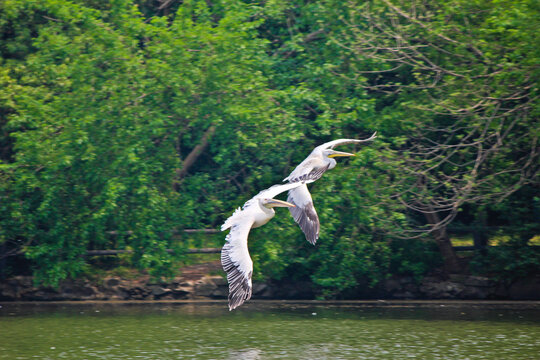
[{"x": 269, "y": 330}]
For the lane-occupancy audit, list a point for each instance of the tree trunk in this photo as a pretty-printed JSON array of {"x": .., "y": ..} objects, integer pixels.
[
  {"x": 195, "y": 153},
  {"x": 480, "y": 236},
  {"x": 451, "y": 261}
]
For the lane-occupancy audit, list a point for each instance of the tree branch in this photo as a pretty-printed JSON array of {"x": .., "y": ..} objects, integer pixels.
[{"x": 195, "y": 153}]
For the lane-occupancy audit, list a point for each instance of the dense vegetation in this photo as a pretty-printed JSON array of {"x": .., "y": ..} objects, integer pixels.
[{"x": 124, "y": 122}]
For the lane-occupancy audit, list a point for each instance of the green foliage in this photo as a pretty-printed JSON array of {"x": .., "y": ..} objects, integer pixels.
[
  {"x": 514, "y": 254},
  {"x": 509, "y": 261},
  {"x": 105, "y": 103},
  {"x": 101, "y": 102},
  {"x": 414, "y": 257}
]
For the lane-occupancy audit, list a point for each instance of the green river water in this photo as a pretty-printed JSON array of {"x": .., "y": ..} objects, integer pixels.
[{"x": 270, "y": 330}]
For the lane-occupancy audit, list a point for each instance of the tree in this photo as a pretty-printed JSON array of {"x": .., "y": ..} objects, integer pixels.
[
  {"x": 105, "y": 108},
  {"x": 457, "y": 82},
  {"x": 357, "y": 247},
  {"x": 139, "y": 120}
]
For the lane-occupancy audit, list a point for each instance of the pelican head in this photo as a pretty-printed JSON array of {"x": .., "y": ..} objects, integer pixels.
[
  {"x": 271, "y": 203},
  {"x": 333, "y": 153}
]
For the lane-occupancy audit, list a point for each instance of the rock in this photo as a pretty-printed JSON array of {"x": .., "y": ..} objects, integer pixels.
[
  {"x": 478, "y": 281},
  {"x": 222, "y": 289},
  {"x": 399, "y": 288},
  {"x": 199, "y": 286},
  {"x": 22, "y": 281},
  {"x": 7, "y": 292},
  {"x": 431, "y": 279},
  {"x": 181, "y": 293},
  {"x": 478, "y": 293},
  {"x": 525, "y": 289},
  {"x": 441, "y": 290},
  {"x": 457, "y": 278},
  {"x": 298, "y": 290},
  {"x": 114, "y": 288},
  {"x": 478, "y": 287},
  {"x": 406, "y": 280},
  {"x": 404, "y": 295},
  {"x": 111, "y": 282},
  {"x": 220, "y": 293},
  {"x": 205, "y": 287},
  {"x": 77, "y": 291},
  {"x": 41, "y": 294},
  {"x": 392, "y": 285},
  {"x": 158, "y": 290},
  {"x": 259, "y": 288},
  {"x": 501, "y": 292},
  {"x": 411, "y": 287},
  {"x": 220, "y": 281}
]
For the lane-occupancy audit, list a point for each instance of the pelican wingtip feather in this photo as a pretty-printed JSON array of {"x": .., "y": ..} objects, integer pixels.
[{"x": 239, "y": 282}]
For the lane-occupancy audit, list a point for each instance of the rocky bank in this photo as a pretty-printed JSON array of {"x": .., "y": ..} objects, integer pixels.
[{"x": 195, "y": 283}]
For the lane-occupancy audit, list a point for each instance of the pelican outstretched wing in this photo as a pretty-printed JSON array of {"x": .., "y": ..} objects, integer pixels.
[
  {"x": 308, "y": 171},
  {"x": 304, "y": 213},
  {"x": 272, "y": 191},
  {"x": 334, "y": 143},
  {"x": 237, "y": 263}
]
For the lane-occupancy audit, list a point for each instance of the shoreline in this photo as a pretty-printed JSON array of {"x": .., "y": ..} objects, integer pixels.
[{"x": 338, "y": 303}]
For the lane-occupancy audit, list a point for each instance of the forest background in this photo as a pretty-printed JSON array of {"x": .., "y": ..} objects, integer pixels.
[{"x": 125, "y": 122}]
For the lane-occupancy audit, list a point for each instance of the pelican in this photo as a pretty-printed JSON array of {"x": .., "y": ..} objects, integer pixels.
[
  {"x": 235, "y": 257},
  {"x": 312, "y": 168}
]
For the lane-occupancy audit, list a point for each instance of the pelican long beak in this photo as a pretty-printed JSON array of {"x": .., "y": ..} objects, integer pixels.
[
  {"x": 279, "y": 203},
  {"x": 340, "y": 153}
]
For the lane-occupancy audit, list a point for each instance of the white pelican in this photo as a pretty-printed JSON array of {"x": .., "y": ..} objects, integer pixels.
[
  {"x": 309, "y": 170},
  {"x": 235, "y": 257}
]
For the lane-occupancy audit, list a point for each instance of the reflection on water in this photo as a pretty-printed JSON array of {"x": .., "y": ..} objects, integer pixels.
[
  {"x": 268, "y": 331},
  {"x": 246, "y": 354}
]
